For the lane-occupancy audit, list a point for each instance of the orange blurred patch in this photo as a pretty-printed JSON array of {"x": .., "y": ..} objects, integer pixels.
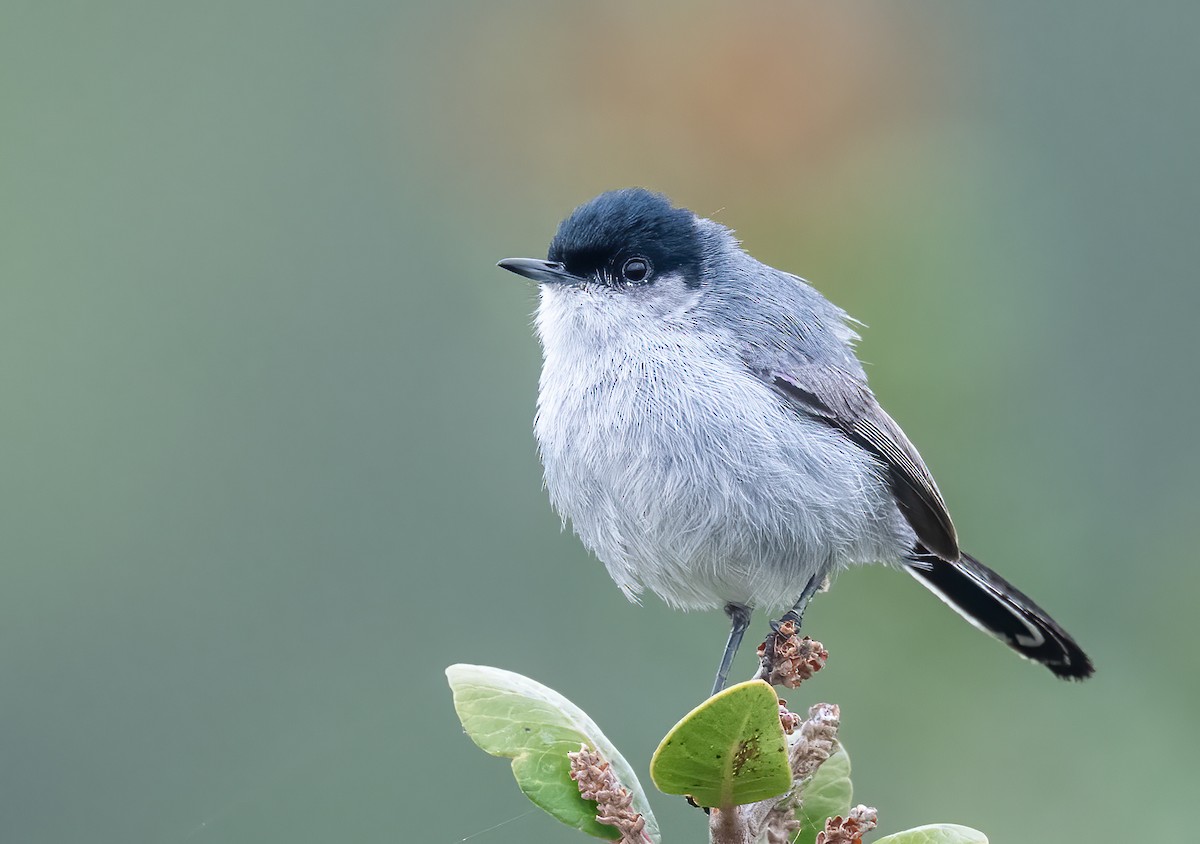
[{"x": 719, "y": 97}]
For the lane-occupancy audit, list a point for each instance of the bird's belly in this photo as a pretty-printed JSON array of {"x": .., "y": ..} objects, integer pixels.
[{"x": 708, "y": 501}]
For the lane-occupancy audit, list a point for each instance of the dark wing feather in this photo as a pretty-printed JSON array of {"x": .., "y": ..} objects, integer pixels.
[{"x": 842, "y": 401}]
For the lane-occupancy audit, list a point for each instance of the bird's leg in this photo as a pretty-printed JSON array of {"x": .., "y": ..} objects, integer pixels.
[
  {"x": 796, "y": 613},
  {"x": 739, "y": 620}
]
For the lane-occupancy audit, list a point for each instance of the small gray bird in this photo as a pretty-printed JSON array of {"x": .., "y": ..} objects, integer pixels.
[{"x": 706, "y": 428}]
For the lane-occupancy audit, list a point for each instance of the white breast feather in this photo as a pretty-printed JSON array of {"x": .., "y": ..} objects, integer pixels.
[{"x": 684, "y": 473}]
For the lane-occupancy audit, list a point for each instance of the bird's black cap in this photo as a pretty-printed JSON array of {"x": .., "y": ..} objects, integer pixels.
[{"x": 633, "y": 222}]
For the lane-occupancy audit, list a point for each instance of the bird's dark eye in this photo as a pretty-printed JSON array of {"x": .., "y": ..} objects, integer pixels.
[{"x": 636, "y": 269}]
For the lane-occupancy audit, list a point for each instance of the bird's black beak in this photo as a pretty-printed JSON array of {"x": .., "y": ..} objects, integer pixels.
[{"x": 543, "y": 272}]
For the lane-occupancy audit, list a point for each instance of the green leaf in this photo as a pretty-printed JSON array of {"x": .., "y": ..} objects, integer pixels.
[
  {"x": 728, "y": 751},
  {"x": 828, "y": 793},
  {"x": 508, "y": 714},
  {"x": 937, "y": 833}
]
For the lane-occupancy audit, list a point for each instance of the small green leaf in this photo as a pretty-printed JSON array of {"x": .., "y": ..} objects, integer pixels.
[
  {"x": 936, "y": 833},
  {"x": 828, "y": 793},
  {"x": 508, "y": 714},
  {"x": 728, "y": 751}
]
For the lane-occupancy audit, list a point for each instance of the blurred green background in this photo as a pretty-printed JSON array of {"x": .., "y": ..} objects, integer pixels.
[{"x": 267, "y": 461}]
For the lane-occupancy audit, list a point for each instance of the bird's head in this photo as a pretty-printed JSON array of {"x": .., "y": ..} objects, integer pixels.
[{"x": 630, "y": 245}]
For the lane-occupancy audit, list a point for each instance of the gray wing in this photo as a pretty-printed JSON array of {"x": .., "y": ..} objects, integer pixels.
[{"x": 840, "y": 399}]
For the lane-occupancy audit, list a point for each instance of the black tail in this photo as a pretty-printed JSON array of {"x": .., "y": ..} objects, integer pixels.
[{"x": 995, "y": 606}]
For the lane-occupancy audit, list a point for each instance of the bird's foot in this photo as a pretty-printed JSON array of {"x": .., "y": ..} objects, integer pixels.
[{"x": 791, "y": 616}]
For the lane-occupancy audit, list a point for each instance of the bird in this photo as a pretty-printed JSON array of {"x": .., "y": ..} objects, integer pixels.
[{"x": 708, "y": 432}]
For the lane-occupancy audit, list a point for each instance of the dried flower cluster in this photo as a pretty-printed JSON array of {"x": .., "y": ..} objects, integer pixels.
[
  {"x": 614, "y": 803},
  {"x": 815, "y": 744},
  {"x": 789, "y": 720},
  {"x": 818, "y": 736},
  {"x": 782, "y": 823},
  {"x": 787, "y": 659},
  {"x": 849, "y": 830}
]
